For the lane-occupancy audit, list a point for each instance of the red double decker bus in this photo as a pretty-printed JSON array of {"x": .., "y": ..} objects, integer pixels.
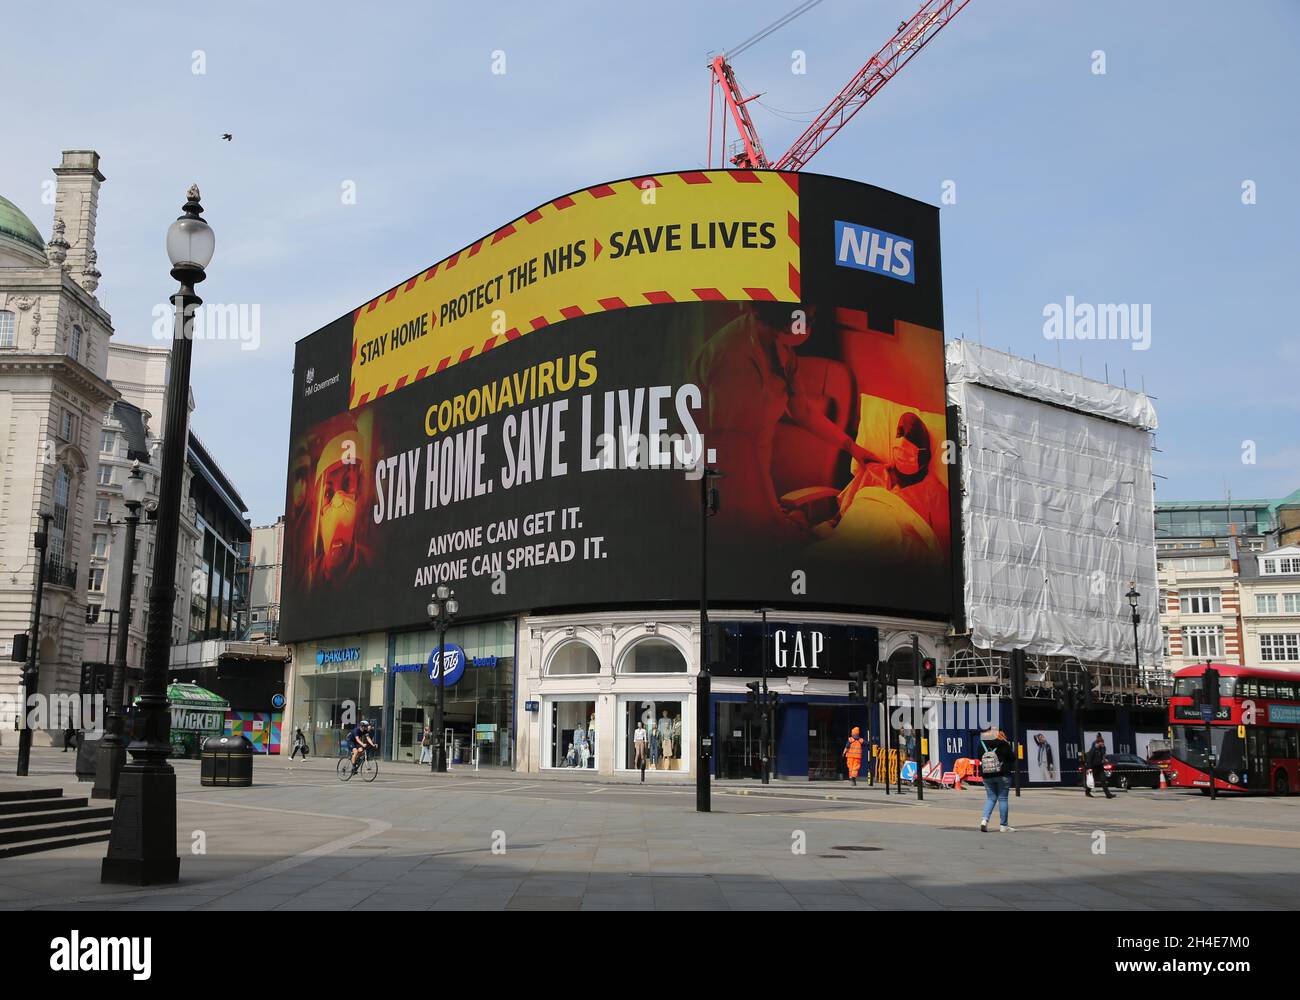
[{"x": 1254, "y": 736}]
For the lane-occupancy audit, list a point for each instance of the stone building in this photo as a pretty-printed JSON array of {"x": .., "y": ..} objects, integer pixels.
[{"x": 54, "y": 392}]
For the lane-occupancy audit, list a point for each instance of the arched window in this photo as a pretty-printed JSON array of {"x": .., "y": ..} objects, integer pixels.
[
  {"x": 574, "y": 657},
  {"x": 653, "y": 656},
  {"x": 74, "y": 343},
  {"x": 7, "y": 327},
  {"x": 59, "y": 522}
]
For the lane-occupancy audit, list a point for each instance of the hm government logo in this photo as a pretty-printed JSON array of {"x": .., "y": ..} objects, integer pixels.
[
  {"x": 875, "y": 250},
  {"x": 102, "y": 954},
  {"x": 312, "y": 386}
]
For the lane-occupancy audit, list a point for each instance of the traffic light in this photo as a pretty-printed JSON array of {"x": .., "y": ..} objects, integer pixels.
[
  {"x": 1210, "y": 687},
  {"x": 1018, "y": 674},
  {"x": 752, "y": 697},
  {"x": 929, "y": 672},
  {"x": 857, "y": 681},
  {"x": 1085, "y": 692},
  {"x": 882, "y": 685},
  {"x": 19, "y": 654}
]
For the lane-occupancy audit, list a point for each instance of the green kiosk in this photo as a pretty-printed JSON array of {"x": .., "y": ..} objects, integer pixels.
[{"x": 197, "y": 713}]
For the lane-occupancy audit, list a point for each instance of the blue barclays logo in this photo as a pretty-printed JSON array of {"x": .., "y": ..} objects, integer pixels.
[
  {"x": 874, "y": 250},
  {"x": 324, "y": 656}
]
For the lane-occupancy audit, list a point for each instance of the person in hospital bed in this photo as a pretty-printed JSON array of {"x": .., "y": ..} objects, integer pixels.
[{"x": 899, "y": 507}]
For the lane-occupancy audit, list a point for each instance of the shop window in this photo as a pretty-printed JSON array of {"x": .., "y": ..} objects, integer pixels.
[
  {"x": 653, "y": 656},
  {"x": 573, "y": 740},
  {"x": 573, "y": 657},
  {"x": 654, "y": 733}
]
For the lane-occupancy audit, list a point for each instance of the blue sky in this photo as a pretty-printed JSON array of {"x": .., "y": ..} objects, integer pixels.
[{"x": 1124, "y": 187}]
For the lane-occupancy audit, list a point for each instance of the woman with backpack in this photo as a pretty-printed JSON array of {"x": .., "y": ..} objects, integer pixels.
[{"x": 996, "y": 763}]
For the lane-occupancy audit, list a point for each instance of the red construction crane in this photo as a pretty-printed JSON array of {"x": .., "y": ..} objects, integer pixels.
[{"x": 911, "y": 37}]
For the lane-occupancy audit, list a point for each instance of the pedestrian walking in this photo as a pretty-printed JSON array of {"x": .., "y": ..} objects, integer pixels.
[
  {"x": 299, "y": 744},
  {"x": 853, "y": 753},
  {"x": 996, "y": 763},
  {"x": 69, "y": 738},
  {"x": 1095, "y": 764},
  {"x": 426, "y": 746}
]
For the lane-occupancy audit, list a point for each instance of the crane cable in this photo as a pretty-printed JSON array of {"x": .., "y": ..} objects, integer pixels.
[{"x": 780, "y": 22}]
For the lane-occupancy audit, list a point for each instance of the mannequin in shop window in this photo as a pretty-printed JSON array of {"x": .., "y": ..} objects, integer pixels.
[
  {"x": 580, "y": 741},
  {"x": 591, "y": 739},
  {"x": 677, "y": 736},
  {"x": 571, "y": 758},
  {"x": 666, "y": 740},
  {"x": 640, "y": 740}
]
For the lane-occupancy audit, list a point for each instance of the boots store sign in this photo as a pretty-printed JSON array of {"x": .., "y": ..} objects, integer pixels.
[{"x": 794, "y": 649}]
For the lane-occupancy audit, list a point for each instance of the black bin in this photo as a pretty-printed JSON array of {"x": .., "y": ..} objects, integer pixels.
[{"x": 227, "y": 761}]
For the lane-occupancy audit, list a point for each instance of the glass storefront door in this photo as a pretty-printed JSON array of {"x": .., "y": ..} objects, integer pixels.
[
  {"x": 737, "y": 737},
  {"x": 828, "y": 731}
]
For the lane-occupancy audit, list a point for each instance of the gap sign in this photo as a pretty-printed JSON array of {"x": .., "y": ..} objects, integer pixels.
[{"x": 874, "y": 250}]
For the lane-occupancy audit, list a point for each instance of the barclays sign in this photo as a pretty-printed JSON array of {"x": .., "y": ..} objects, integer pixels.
[{"x": 324, "y": 656}]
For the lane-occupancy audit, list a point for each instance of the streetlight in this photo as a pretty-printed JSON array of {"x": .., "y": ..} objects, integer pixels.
[
  {"x": 442, "y": 609},
  {"x": 142, "y": 847},
  {"x": 709, "y": 501},
  {"x": 763, "y": 730},
  {"x": 1133, "y": 596},
  {"x": 32, "y": 672},
  {"x": 112, "y": 747}
]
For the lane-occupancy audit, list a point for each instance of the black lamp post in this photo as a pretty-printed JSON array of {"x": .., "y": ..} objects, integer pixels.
[
  {"x": 442, "y": 609},
  {"x": 709, "y": 500},
  {"x": 764, "y": 725},
  {"x": 142, "y": 848},
  {"x": 32, "y": 671},
  {"x": 1133, "y": 596},
  {"x": 112, "y": 748}
]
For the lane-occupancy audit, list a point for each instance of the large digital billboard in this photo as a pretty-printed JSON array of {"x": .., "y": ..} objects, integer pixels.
[{"x": 527, "y": 420}]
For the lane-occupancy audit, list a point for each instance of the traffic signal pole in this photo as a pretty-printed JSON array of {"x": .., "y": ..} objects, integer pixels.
[{"x": 918, "y": 714}]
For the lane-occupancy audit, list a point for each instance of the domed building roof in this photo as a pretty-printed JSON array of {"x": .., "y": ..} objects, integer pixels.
[{"x": 17, "y": 228}]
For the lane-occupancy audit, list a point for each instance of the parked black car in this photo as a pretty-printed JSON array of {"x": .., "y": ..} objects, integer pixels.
[{"x": 1128, "y": 770}]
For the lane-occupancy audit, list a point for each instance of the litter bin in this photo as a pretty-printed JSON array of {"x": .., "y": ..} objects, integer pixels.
[{"x": 226, "y": 760}]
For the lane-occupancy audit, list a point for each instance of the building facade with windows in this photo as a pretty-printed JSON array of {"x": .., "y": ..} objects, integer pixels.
[
  {"x": 1270, "y": 599},
  {"x": 1199, "y": 603},
  {"x": 266, "y": 572},
  {"x": 54, "y": 392},
  {"x": 1216, "y": 600}
]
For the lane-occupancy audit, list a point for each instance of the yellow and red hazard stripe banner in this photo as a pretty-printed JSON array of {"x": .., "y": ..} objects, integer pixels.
[{"x": 694, "y": 236}]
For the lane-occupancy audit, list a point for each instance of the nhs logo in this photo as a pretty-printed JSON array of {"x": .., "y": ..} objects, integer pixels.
[{"x": 874, "y": 250}]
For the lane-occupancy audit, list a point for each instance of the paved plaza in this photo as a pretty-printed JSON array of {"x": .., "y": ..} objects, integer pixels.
[{"x": 301, "y": 840}]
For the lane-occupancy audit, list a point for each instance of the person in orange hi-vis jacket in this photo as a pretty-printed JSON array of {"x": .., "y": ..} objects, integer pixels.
[{"x": 853, "y": 754}]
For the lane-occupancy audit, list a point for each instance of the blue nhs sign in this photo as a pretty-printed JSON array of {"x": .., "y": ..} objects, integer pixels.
[{"x": 874, "y": 250}]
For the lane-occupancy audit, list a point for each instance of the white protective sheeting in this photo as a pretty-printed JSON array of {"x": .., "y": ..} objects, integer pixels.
[{"x": 1057, "y": 508}]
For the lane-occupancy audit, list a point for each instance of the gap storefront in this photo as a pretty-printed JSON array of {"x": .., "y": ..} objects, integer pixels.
[{"x": 384, "y": 677}]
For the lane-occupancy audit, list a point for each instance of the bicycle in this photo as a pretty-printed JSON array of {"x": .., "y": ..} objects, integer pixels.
[{"x": 368, "y": 766}]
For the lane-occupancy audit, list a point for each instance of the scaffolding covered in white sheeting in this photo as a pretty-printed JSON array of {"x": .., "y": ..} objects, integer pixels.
[{"x": 1057, "y": 508}]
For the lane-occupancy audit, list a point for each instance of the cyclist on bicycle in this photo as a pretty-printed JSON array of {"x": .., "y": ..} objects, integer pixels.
[{"x": 358, "y": 739}]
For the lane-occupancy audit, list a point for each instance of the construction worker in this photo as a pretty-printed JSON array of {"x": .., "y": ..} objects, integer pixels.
[{"x": 853, "y": 753}]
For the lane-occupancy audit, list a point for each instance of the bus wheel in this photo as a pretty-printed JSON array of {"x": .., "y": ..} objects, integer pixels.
[{"x": 1280, "y": 784}]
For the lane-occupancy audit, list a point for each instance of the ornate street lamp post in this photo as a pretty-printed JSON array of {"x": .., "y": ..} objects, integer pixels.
[
  {"x": 442, "y": 609},
  {"x": 142, "y": 848},
  {"x": 112, "y": 748},
  {"x": 1133, "y": 596}
]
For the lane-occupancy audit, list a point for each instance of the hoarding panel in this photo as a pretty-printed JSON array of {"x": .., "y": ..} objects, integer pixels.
[{"x": 560, "y": 468}]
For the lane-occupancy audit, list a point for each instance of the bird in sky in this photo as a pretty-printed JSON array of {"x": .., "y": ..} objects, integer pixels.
[{"x": 227, "y": 136}]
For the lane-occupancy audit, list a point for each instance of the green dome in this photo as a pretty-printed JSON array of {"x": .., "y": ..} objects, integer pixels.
[{"x": 17, "y": 226}]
